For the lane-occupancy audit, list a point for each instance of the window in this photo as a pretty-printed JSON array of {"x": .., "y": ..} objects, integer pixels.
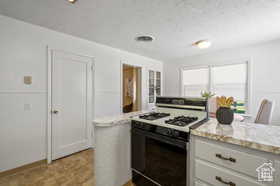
[
  {"x": 195, "y": 81},
  {"x": 227, "y": 80}
]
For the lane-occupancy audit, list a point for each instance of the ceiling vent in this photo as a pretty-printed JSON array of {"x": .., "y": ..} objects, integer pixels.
[{"x": 144, "y": 38}]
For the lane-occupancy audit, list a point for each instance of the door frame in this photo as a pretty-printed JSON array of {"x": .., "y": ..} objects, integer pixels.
[
  {"x": 121, "y": 84},
  {"x": 90, "y": 98}
]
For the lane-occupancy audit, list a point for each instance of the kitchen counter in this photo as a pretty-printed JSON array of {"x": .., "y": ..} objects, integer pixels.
[
  {"x": 256, "y": 136},
  {"x": 110, "y": 121}
]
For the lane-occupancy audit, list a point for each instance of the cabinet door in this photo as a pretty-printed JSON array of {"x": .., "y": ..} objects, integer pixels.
[
  {"x": 158, "y": 83},
  {"x": 151, "y": 86},
  {"x": 243, "y": 162},
  {"x": 199, "y": 183},
  {"x": 220, "y": 176},
  {"x": 154, "y": 85}
]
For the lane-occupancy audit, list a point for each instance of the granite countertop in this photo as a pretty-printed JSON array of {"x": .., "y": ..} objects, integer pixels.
[
  {"x": 251, "y": 135},
  {"x": 110, "y": 121}
]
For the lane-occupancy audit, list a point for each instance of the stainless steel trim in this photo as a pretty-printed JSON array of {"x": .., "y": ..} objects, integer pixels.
[
  {"x": 185, "y": 97},
  {"x": 187, "y": 146},
  {"x": 188, "y": 167},
  {"x": 147, "y": 177},
  {"x": 181, "y": 106}
]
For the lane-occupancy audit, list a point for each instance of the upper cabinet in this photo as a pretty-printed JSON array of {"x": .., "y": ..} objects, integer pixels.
[
  {"x": 158, "y": 83},
  {"x": 154, "y": 85}
]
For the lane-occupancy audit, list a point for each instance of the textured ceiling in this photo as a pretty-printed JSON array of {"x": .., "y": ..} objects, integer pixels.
[{"x": 175, "y": 24}]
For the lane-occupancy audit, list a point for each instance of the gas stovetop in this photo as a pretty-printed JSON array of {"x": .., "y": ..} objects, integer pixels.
[
  {"x": 154, "y": 115},
  {"x": 177, "y": 119},
  {"x": 175, "y": 113},
  {"x": 181, "y": 120}
]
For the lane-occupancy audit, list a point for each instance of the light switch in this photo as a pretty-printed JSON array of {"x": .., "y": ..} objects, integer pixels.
[{"x": 28, "y": 80}]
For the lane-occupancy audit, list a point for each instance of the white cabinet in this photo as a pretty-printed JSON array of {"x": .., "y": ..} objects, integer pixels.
[
  {"x": 199, "y": 183},
  {"x": 154, "y": 85},
  {"x": 221, "y": 164},
  {"x": 220, "y": 176},
  {"x": 224, "y": 156}
]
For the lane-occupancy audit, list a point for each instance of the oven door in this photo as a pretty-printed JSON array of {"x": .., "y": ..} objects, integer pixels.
[{"x": 158, "y": 159}]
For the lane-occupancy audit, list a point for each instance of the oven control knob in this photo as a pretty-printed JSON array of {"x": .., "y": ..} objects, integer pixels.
[
  {"x": 169, "y": 132},
  {"x": 176, "y": 133}
]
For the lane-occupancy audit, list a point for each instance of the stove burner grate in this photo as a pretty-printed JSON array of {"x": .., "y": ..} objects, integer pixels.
[
  {"x": 181, "y": 120},
  {"x": 153, "y": 116}
]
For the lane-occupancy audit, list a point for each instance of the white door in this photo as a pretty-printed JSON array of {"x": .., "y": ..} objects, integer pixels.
[{"x": 71, "y": 103}]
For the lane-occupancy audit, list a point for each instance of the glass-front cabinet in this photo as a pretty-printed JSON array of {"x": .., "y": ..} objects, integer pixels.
[
  {"x": 154, "y": 85},
  {"x": 158, "y": 83}
]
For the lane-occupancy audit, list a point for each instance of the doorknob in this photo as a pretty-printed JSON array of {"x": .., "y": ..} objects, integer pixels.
[{"x": 55, "y": 111}]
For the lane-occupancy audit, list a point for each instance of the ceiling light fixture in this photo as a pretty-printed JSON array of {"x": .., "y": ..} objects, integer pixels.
[
  {"x": 144, "y": 38},
  {"x": 202, "y": 44},
  {"x": 72, "y": 1}
]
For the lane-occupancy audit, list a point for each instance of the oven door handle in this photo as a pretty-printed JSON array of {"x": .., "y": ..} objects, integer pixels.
[{"x": 161, "y": 138}]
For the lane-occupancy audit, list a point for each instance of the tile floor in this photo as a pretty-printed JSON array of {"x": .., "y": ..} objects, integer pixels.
[{"x": 74, "y": 170}]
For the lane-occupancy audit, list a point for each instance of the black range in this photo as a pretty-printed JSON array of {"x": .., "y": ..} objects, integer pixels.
[{"x": 159, "y": 152}]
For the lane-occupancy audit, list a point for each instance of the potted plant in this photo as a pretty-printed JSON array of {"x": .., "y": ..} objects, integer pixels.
[
  {"x": 207, "y": 94},
  {"x": 224, "y": 113}
]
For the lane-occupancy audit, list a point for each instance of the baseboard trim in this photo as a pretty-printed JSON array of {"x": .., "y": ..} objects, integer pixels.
[
  {"x": 22, "y": 168},
  {"x": 129, "y": 183}
]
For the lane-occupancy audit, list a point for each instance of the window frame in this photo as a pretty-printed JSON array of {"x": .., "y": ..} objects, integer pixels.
[{"x": 210, "y": 82}]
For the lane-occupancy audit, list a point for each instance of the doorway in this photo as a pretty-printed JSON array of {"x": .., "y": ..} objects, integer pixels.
[{"x": 131, "y": 88}]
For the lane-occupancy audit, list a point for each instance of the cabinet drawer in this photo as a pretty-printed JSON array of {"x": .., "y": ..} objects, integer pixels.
[
  {"x": 224, "y": 156},
  {"x": 199, "y": 183},
  {"x": 215, "y": 175}
]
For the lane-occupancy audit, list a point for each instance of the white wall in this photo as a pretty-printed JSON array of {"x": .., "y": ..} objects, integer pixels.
[
  {"x": 23, "y": 52},
  {"x": 265, "y": 66}
]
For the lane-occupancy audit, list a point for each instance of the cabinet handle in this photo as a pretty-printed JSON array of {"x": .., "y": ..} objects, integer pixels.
[
  {"x": 225, "y": 182},
  {"x": 224, "y": 158}
]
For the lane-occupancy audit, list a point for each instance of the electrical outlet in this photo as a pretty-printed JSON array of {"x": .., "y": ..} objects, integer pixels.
[{"x": 27, "y": 107}]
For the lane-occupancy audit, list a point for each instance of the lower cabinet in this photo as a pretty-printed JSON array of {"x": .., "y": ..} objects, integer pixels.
[
  {"x": 229, "y": 158},
  {"x": 199, "y": 183},
  {"x": 214, "y": 163},
  {"x": 216, "y": 175}
]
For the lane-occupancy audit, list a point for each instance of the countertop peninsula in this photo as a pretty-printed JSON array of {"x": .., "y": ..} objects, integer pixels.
[{"x": 251, "y": 135}]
